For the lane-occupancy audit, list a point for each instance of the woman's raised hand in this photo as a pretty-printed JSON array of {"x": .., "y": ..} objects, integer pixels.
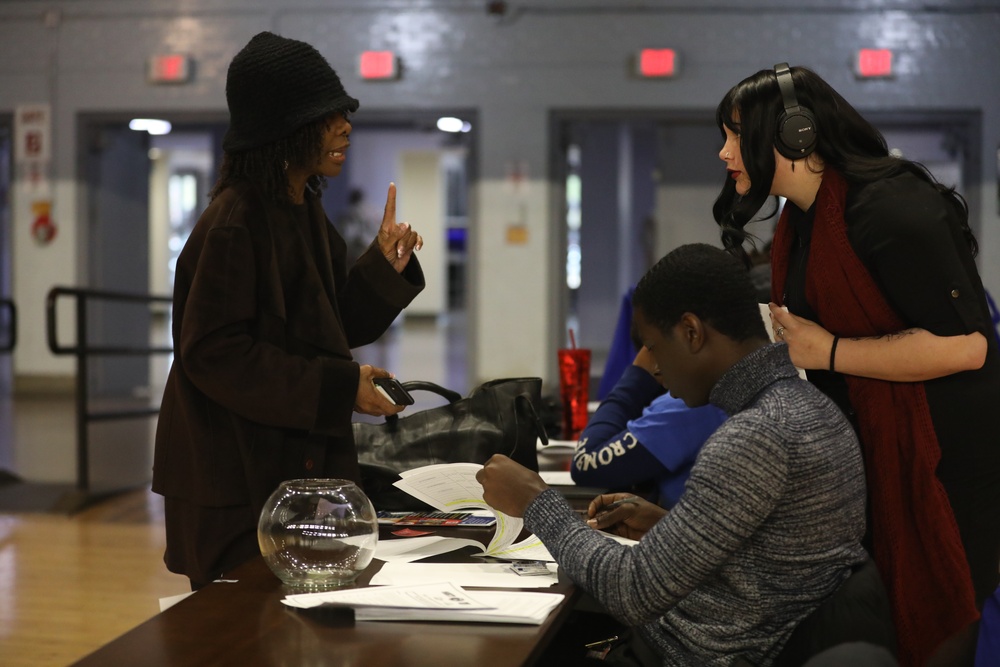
[{"x": 396, "y": 241}]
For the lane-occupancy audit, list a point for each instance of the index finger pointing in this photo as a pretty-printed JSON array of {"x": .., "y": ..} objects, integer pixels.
[{"x": 389, "y": 216}]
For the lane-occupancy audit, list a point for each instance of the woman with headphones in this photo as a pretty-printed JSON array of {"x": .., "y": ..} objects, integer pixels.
[{"x": 876, "y": 292}]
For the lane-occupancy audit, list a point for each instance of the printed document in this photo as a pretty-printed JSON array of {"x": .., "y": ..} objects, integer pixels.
[
  {"x": 481, "y": 575},
  {"x": 452, "y": 486},
  {"x": 441, "y": 601}
]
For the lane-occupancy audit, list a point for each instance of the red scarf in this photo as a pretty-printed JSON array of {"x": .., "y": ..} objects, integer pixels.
[{"x": 916, "y": 542}]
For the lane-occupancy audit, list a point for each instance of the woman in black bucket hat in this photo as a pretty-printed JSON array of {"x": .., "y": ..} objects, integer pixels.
[{"x": 266, "y": 312}]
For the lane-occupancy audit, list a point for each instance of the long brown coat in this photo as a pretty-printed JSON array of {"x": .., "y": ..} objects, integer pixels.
[{"x": 263, "y": 384}]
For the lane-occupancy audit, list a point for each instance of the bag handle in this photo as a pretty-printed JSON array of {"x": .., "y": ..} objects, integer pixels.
[
  {"x": 423, "y": 385},
  {"x": 523, "y": 402}
]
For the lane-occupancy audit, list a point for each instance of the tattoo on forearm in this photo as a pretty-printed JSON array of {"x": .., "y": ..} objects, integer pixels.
[{"x": 890, "y": 336}]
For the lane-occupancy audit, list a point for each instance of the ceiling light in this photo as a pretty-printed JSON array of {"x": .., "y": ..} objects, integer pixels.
[
  {"x": 449, "y": 124},
  {"x": 151, "y": 125}
]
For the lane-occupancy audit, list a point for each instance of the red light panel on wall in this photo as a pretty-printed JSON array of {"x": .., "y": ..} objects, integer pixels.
[
  {"x": 379, "y": 65},
  {"x": 169, "y": 68},
  {"x": 657, "y": 63},
  {"x": 874, "y": 63}
]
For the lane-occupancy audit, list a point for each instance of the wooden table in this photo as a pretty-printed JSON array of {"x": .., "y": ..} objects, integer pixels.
[{"x": 245, "y": 624}]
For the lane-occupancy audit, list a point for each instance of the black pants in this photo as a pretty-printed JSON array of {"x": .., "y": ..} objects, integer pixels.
[{"x": 588, "y": 624}]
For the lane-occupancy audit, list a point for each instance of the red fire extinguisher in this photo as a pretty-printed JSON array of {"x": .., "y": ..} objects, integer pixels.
[{"x": 43, "y": 229}]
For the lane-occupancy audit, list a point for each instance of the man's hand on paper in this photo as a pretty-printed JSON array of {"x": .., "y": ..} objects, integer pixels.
[
  {"x": 632, "y": 519},
  {"x": 509, "y": 486}
]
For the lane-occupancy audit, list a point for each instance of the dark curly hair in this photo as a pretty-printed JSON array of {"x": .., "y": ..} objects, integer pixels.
[
  {"x": 845, "y": 141},
  {"x": 706, "y": 281},
  {"x": 265, "y": 166}
]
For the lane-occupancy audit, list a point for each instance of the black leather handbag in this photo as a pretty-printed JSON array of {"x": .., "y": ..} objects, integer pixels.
[{"x": 498, "y": 417}]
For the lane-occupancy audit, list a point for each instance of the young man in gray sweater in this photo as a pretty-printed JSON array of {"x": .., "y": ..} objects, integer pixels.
[{"x": 772, "y": 517}]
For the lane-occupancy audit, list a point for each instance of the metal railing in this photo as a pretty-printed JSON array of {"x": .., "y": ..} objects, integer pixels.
[
  {"x": 7, "y": 344},
  {"x": 83, "y": 351}
]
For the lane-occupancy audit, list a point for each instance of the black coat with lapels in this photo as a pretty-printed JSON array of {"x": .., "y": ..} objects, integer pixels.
[{"x": 263, "y": 385}]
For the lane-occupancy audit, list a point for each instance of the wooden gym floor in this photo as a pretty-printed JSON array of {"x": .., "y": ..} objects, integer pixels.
[{"x": 70, "y": 584}]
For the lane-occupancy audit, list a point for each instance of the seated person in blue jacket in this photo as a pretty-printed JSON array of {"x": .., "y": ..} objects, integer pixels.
[
  {"x": 771, "y": 521},
  {"x": 640, "y": 433}
]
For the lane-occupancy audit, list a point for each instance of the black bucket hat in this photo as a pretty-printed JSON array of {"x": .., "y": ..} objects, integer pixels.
[{"x": 276, "y": 85}]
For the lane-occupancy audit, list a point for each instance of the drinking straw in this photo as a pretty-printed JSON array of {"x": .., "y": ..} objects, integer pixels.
[{"x": 572, "y": 340}]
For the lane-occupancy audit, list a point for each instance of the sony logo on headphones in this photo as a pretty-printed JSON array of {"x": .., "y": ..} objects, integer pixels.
[{"x": 807, "y": 128}]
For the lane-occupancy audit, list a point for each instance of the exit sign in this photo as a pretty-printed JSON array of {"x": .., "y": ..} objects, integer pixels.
[
  {"x": 378, "y": 65},
  {"x": 656, "y": 63},
  {"x": 169, "y": 68},
  {"x": 873, "y": 63}
]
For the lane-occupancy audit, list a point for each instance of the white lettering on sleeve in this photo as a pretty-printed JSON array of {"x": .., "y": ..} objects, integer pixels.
[
  {"x": 630, "y": 440},
  {"x": 585, "y": 461}
]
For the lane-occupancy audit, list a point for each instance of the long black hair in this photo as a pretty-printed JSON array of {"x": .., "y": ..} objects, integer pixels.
[
  {"x": 265, "y": 167},
  {"x": 845, "y": 141}
]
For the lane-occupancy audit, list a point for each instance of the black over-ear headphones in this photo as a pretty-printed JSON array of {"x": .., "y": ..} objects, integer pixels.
[{"x": 796, "y": 132}]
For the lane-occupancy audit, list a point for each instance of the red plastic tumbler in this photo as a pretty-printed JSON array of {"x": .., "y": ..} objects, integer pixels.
[{"x": 574, "y": 389}]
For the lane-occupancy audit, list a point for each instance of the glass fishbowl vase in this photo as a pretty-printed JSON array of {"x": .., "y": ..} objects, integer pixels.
[{"x": 317, "y": 534}]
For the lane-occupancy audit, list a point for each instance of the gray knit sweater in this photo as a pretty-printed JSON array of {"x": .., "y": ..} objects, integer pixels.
[{"x": 770, "y": 523}]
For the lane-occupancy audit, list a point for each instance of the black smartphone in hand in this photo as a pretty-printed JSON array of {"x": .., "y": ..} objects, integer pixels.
[{"x": 393, "y": 391}]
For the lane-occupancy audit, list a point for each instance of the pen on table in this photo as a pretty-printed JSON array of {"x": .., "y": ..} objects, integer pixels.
[{"x": 609, "y": 640}]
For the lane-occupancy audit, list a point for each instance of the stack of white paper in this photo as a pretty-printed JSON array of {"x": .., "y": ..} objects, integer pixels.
[
  {"x": 442, "y": 601},
  {"x": 479, "y": 575},
  {"x": 557, "y": 477},
  {"x": 527, "y": 608},
  {"x": 566, "y": 446}
]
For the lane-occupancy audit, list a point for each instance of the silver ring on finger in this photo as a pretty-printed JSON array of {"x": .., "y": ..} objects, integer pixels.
[{"x": 780, "y": 332}]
